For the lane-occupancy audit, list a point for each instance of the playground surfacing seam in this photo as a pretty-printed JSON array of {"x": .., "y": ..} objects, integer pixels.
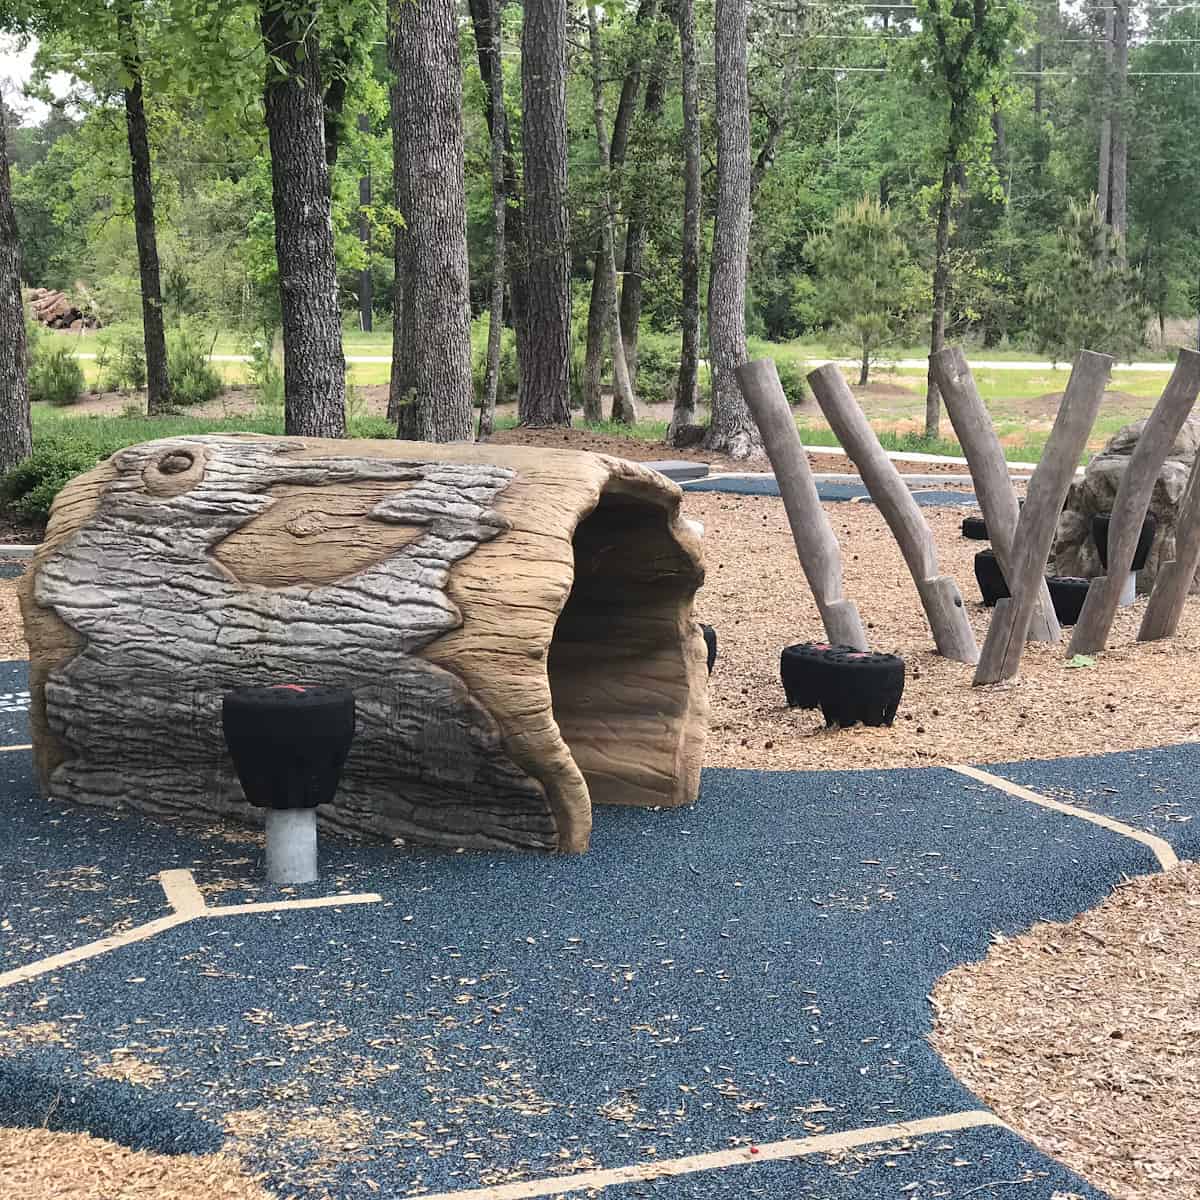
[{"x": 749, "y": 972}]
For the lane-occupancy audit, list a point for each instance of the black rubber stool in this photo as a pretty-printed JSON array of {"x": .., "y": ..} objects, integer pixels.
[
  {"x": 992, "y": 584},
  {"x": 289, "y": 744},
  {"x": 858, "y": 685},
  {"x": 801, "y": 669},
  {"x": 710, "y": 642},
  {"x": 1068, "y": 594}
]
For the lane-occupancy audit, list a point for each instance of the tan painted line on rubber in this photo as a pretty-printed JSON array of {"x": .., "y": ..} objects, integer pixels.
[
  {"x": 182, "y": 893},
  {"x": 825, "y": 1143},
  {"x": 139, "y": 933},
  {"x": 1160, "y": 848},
  {"x": 228, "y": 910},
  {"x": 10, "y": 749}
]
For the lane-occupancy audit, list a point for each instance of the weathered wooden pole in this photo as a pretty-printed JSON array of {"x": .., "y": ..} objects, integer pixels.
[
  {"x": 820, "y": 556},
  {"x": 1044, "y": 498},
  {"x": 989, "y": 471},
  {"x": 1133, "y": 498},
  {"x": 942, "y": 601},
  {"x": 1174, "y": 579}
]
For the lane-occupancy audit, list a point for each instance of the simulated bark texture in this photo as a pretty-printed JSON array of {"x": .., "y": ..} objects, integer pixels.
[
  {"x": 543, "y": 339},
  {"x": 314, "y": 367},
  {"x": 16, "y": 437},
  {"x": 429, "y": 142},
  {"x": 516, "y": 625}
]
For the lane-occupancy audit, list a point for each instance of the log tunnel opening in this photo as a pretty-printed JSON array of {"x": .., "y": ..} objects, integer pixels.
[{"x": 627, "y": 661}]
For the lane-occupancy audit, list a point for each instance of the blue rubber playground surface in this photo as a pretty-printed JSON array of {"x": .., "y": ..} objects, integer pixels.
[
  {"x": 829, "y": 493},
  {"x": 748, "y": 972}
]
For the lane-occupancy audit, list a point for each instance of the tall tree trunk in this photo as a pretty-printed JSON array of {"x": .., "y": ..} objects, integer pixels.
[
  {"x": 1118, "y": 195},
  {"x": 864, "y": 370},
  {"x": 401, "y": 383},
  {"x": 158, "y": 383},
  {"x": 366, "y": 295},
  {"x": 484, "y": 20},
  {"x": 424, "y": 60},
  {"x": 545, "y": 366},
  {"x": 731, "y": 429},
  {"x": 624, "y": 404},
  {"x": 1104, "y": 173},
  {"x": 635, "y": 229},
  {"x": 599, "y": 303},
  {"x": 941, "y": 289},
  {"x": 499, "y": 139},
  {"x": 16, "y": 436},
  {"x": 689, "y": 351},
  {"x": 314, "y": 366}
]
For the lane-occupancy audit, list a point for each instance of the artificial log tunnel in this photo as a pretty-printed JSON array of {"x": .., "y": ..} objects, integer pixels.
[{"x": 516, "y": 625}]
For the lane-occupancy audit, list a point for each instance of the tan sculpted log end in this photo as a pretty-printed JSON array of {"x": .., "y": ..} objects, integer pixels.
[{"x": 516, "y": 625}]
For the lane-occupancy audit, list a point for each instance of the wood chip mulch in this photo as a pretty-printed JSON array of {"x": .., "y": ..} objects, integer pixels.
[
  {"x": 38, "y": 1165},
  {"x": 1085, "y": 1037}
]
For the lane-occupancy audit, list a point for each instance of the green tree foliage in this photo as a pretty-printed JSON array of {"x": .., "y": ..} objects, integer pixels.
[
  {"x": 1084, "y": 295},
  {"x": 868, "y": 286}
]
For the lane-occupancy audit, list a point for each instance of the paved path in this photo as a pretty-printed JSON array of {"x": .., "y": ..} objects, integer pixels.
[{"x": 722, "y": 1002}]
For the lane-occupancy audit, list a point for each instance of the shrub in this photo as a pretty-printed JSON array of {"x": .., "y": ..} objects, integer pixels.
[
  {"x": 791, "y": 375},
  {"x": 266, "y": 375},
  {"x": 55, "y": 376},
  {"x": 657, "y": 368},
  {"x": 122, "y": 366},
  {"x": 192, "y": 379},
  {"x": 29, "y": 489},
  {"x": 509, "y": 378}
]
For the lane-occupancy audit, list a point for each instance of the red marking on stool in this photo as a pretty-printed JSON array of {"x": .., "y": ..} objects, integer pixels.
[{"x": 287, "y": 687}]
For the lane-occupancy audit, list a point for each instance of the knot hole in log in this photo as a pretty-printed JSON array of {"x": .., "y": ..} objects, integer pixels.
[{"x": 175, "y": 471}]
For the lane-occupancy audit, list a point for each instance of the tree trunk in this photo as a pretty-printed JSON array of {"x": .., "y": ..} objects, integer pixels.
[
  {"x": 424, "y": 60},
  {"x": 689, "y": 350},
  {"x": 635, "y": 229},
  {"x": 1104, "y": 174},
  {"x": 864, "y": 369},
  {"x": 16, "y": 437},
  {"x": 314, "y": 366},
  {"x": 158, "y": 383},
  {"x": 366, "y": 297},
  {"x": 545, "y": 366},
  {"x": 1120, "y": 139},
  {"x": 499, "y": 137},
  {"x": 599, "y": 301},
  {"x": 484, "y": 20},
  {"x": 401, "y": 382},
  {"x": 624, "y": 404},
  {"x": 1038, "y": 83},
  {"x": 941, "y": 290},
  {"x": 731, "y": 429}
]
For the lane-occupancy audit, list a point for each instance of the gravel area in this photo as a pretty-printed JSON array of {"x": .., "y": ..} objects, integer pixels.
[
  {"x": 1135, "y": 696},
  {"x": 1083, "y": 1037}
]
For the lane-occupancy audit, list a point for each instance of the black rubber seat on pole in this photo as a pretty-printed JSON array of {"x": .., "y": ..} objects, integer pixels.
[
  {"x": 975, "y": 528},
  {"x": 992, "y": 584},
  {"x": 1068, "y": 594},
  {"x": 861, "y": 686},
  {"x": 1100, "y": 523},
  {"x": 710, "y": 642},
  {"x": 289, "y": 742},
  {"x": 801, "y": 669}
]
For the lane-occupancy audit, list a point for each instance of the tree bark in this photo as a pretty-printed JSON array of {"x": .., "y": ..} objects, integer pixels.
[
  {"x": 158, "y": 383},
  {"x": 366, "y": 296},
  {"x": 599, "y": 301},
  {"x": 731, "y": 429},
  {"x": 484, "y": 20},
  {"x": 16, "y": 436},
  {"x": 314, "y": 366},
  {"x": 941, "y": 289},
  {"x": 545, "y": 365},
  {"x": 1104, "y": 174},
  {"x": 864, "y": 370},
  {"x": 402, "y": 379},
  {"x": 1118, "y": 195},
  {"x": 635, "y": 230},
  {"x": 689, "y": 352},
  {"x": 624, "y": 404},
  {"x": 425, "y": 63},
  {"x": 499, "y": 139}
]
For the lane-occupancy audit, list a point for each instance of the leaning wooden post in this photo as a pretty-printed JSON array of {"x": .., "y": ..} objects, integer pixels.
[
  {"x": 1026, "y": 576},
  {"x": 989, "y": 471},
  {"x": 952, "y": 633},
  {"x": 1133, "y": 498},
  {"x": 1174, "y": 579},
  {"x": 820, "y": 556}
]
